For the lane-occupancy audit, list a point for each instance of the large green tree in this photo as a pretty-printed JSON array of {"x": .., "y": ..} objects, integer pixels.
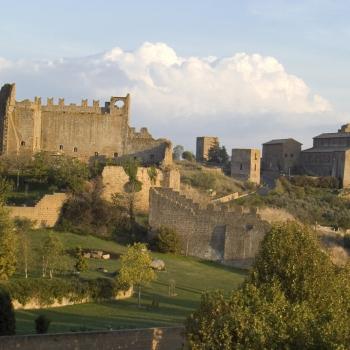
[
  {"x": 7, "y": 314},
  {"x": 136, "y": 268},
  {"x": 294, "y": 298},
  {"x": 51, "y": 253},
  {"x": 8, "y": 245}
]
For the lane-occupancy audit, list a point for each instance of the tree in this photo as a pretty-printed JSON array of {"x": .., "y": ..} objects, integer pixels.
[
  {"x": 167, "y": 240},
  {"x": 133, "y": 186},
  {"x": 136, "y": 268},
  {"x": 177, "y": 152},
  {"x": 5, "y": 188},
  {"x": 52, "y": 252},
  {"x": 8, "y": 245},
  {"x": 23, "y": 228},
  {"x": 7, "y": 314},
  {"x": 188, "y": 156},
  {"x": 294, "y": 298},
  {"x": 42, "y": 324},
  {"x": 81, "y": 263},
  {"x": 218, "y": 155}
]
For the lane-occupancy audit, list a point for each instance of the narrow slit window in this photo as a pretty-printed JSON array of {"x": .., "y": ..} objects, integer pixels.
[
  {"x": 23, "y": 143},
  {"x": 75, "y": 149},
  {"x": 61, "y": 147}
]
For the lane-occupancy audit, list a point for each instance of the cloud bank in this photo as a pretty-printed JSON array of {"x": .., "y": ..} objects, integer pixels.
[{"x": 244, "y": 99}]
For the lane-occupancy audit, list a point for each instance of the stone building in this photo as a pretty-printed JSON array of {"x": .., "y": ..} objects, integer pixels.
[
  {"x": 84, "y": 131},
  {"x": 203, "y": 145},
  {"x": 245, "y": 164},
  {"x": 214, "y": 232},
  {"x": 280, "y": 156},
  {"x": 329, "y": 156}
]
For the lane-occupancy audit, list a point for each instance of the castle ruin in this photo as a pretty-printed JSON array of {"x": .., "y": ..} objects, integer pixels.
[
  {"x": 245, "y": 164},
  {"x": 85, "y": 131}
]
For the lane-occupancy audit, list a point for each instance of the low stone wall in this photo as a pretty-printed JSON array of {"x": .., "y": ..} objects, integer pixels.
[
  {"x": 45, "y": 213},
  {"x": 163, "y": 338},
  {"x": 35, "y": 304}
]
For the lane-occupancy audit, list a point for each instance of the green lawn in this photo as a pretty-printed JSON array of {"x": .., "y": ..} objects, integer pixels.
[{"x": 192, "y": 277}]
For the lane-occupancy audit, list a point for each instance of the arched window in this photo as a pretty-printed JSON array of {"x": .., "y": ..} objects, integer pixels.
[
  {"x": 75, "y": 149},
  {"x": 96, "y": 154},
  {"x": 23, "y": 143},
  {"x": 115, "y": 154},
  {"x": 61, "y": 147}
]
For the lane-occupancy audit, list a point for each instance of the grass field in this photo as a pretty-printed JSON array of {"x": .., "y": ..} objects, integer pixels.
[{"x": 192, "y": 277}]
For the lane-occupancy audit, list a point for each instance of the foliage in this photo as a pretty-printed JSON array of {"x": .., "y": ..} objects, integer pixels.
[
  {"x": 187, "y": 155},
  {"x": 52, "y": 252},
  {"x": 131, "y": 166},
  {"x": 7, "y": 314},
  {"x": 321, "y": 182},
  {"x": 42, "y": 324},
  {"x": 87, "y": 213},
  {"x": 23, "y": 227},
  {"x": 81, "y": 263},
  {"x": 203, "y": 180},
  {"x": 46, "y": 291},
  {"x": 347, "y": 240},
  {"x": 218, "y": 155},
  {"x": 8, "y": 245},
  {"x": 152, "y": 174},
  {"x": 178, "y": 150},
  {"x": 5, "y": 188},
  {"x": 309, "y": 204},
  {"x": 167, "y": 240},
  {"x": 136, "y": 268},
  {"x": 294, "y": 298}
]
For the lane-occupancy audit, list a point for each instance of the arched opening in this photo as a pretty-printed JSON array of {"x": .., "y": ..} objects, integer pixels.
[
  {"x": 75, "y": 149},
  {"x": 96, "y": 154},
  {"x": 61, "y": 147},
  {"x": 119, "y": 104},
  {"x": 23, "y": 143},
  {"x": 115, "y": 154}
]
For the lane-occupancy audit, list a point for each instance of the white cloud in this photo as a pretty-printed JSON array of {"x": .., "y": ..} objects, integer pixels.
[{"x": 169, "y": 91}]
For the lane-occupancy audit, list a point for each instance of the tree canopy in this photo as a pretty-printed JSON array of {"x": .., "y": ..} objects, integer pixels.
[{"x": 294, "y": 298}]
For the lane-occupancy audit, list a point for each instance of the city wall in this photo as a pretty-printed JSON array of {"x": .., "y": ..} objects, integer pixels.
[
  {"x": 162, "y": 338},
  {"x": 213, "y": 232},
  {"x": 114, "y": 180},
  {"x": 45, "y": 213}
]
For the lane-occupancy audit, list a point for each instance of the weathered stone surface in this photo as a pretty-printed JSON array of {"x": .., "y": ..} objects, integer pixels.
[
  {"x": 245, "y": 164},
  {"x": 86, "y": 132}
]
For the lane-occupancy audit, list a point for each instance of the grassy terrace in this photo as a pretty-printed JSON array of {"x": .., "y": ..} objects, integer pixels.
[{"x": 192, "y": 277}]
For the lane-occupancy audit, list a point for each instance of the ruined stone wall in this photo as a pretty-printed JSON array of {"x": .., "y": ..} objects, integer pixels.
[
  {"x": 245, "y": 165},
  {"x": 203, "y": 145},
  {"x": 45, "y": 213},
  {"x": 209, "y": 232},
  {"x": 162, "y": 338},
  {"x": 114, "y": 179},
  {"x": 85, "y": 131}
]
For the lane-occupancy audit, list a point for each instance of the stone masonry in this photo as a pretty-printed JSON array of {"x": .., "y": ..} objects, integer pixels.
[
  {"x": 245, "y": 164},
  {"x": 213, "y": 232},
  {"x": 203, "y": 145},
  {"x": 45, "y": 213},
  {"x": 84, "y": 131},
  {"x": 114, "y": 180}
]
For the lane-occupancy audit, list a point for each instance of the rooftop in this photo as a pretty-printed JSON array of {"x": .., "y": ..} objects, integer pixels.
[
  {"x": 281, "y": 141},
  {"x": 328, "y": 135}
]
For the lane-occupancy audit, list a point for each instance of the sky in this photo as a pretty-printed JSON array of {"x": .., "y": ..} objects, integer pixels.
[{"x": 245, "y": 71}]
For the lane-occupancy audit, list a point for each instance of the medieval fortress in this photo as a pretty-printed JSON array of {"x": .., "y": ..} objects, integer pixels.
[{"x": 215, "y": 231}]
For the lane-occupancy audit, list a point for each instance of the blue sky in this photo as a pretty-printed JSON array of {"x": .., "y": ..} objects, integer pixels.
[{"x": 309, "y": 38}]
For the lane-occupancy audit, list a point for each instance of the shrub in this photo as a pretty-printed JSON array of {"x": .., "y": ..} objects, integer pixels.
[
  {"x": 42, "y": 324},
  {"x": 167, "y": 240},
  {"x": 7, "y": 314},
  {"x": 347, "y": 240},
  {"x": 188, "y": 156},
  {"x": 203, "y": 180}
]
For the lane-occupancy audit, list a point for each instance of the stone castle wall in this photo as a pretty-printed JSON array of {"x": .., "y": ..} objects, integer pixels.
[
  {"x": 212, "y": 232},
  {"x": 161, "y": 338},
  {"x": 45, "y": 213},
  {"x": 114, "y": 180},
  {"x": 83, "y": 131}
]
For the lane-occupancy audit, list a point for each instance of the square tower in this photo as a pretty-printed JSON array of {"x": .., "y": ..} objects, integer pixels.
[
  {"x": 245, "y": 164},
  {"x": 203, "y": 145}
]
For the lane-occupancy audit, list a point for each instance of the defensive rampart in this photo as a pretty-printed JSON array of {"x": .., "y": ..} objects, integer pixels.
[
  {"x": 45, "y": 213},
  {"x": 214, "y": 232}
]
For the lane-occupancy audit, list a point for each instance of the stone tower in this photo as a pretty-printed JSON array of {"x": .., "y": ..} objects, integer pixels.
[
  {"x": 203, "y": 145},
  {"x": 245, "y": 164}
]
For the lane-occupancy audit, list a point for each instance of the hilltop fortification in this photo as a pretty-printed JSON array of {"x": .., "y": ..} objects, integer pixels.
[{"x": 83, "y": 131}]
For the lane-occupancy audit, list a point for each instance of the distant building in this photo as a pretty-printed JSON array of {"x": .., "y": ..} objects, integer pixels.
[
  {"x": 329, "y": 156},
  {"x": 245, "y": 164},
  {"x": 280, "y": 156},
  {"x": 203, "y": 145}
]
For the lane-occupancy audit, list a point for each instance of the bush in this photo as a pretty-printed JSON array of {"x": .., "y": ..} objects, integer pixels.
[
  {"x": 42, "y": 324},
  {"x": 167, "y": 240},
  {"x": 188, "y": 156},
  {"x": 7, "y": 314},
  {"x": 346, "y": 241},
  {"x": 203, "y": 180}
]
